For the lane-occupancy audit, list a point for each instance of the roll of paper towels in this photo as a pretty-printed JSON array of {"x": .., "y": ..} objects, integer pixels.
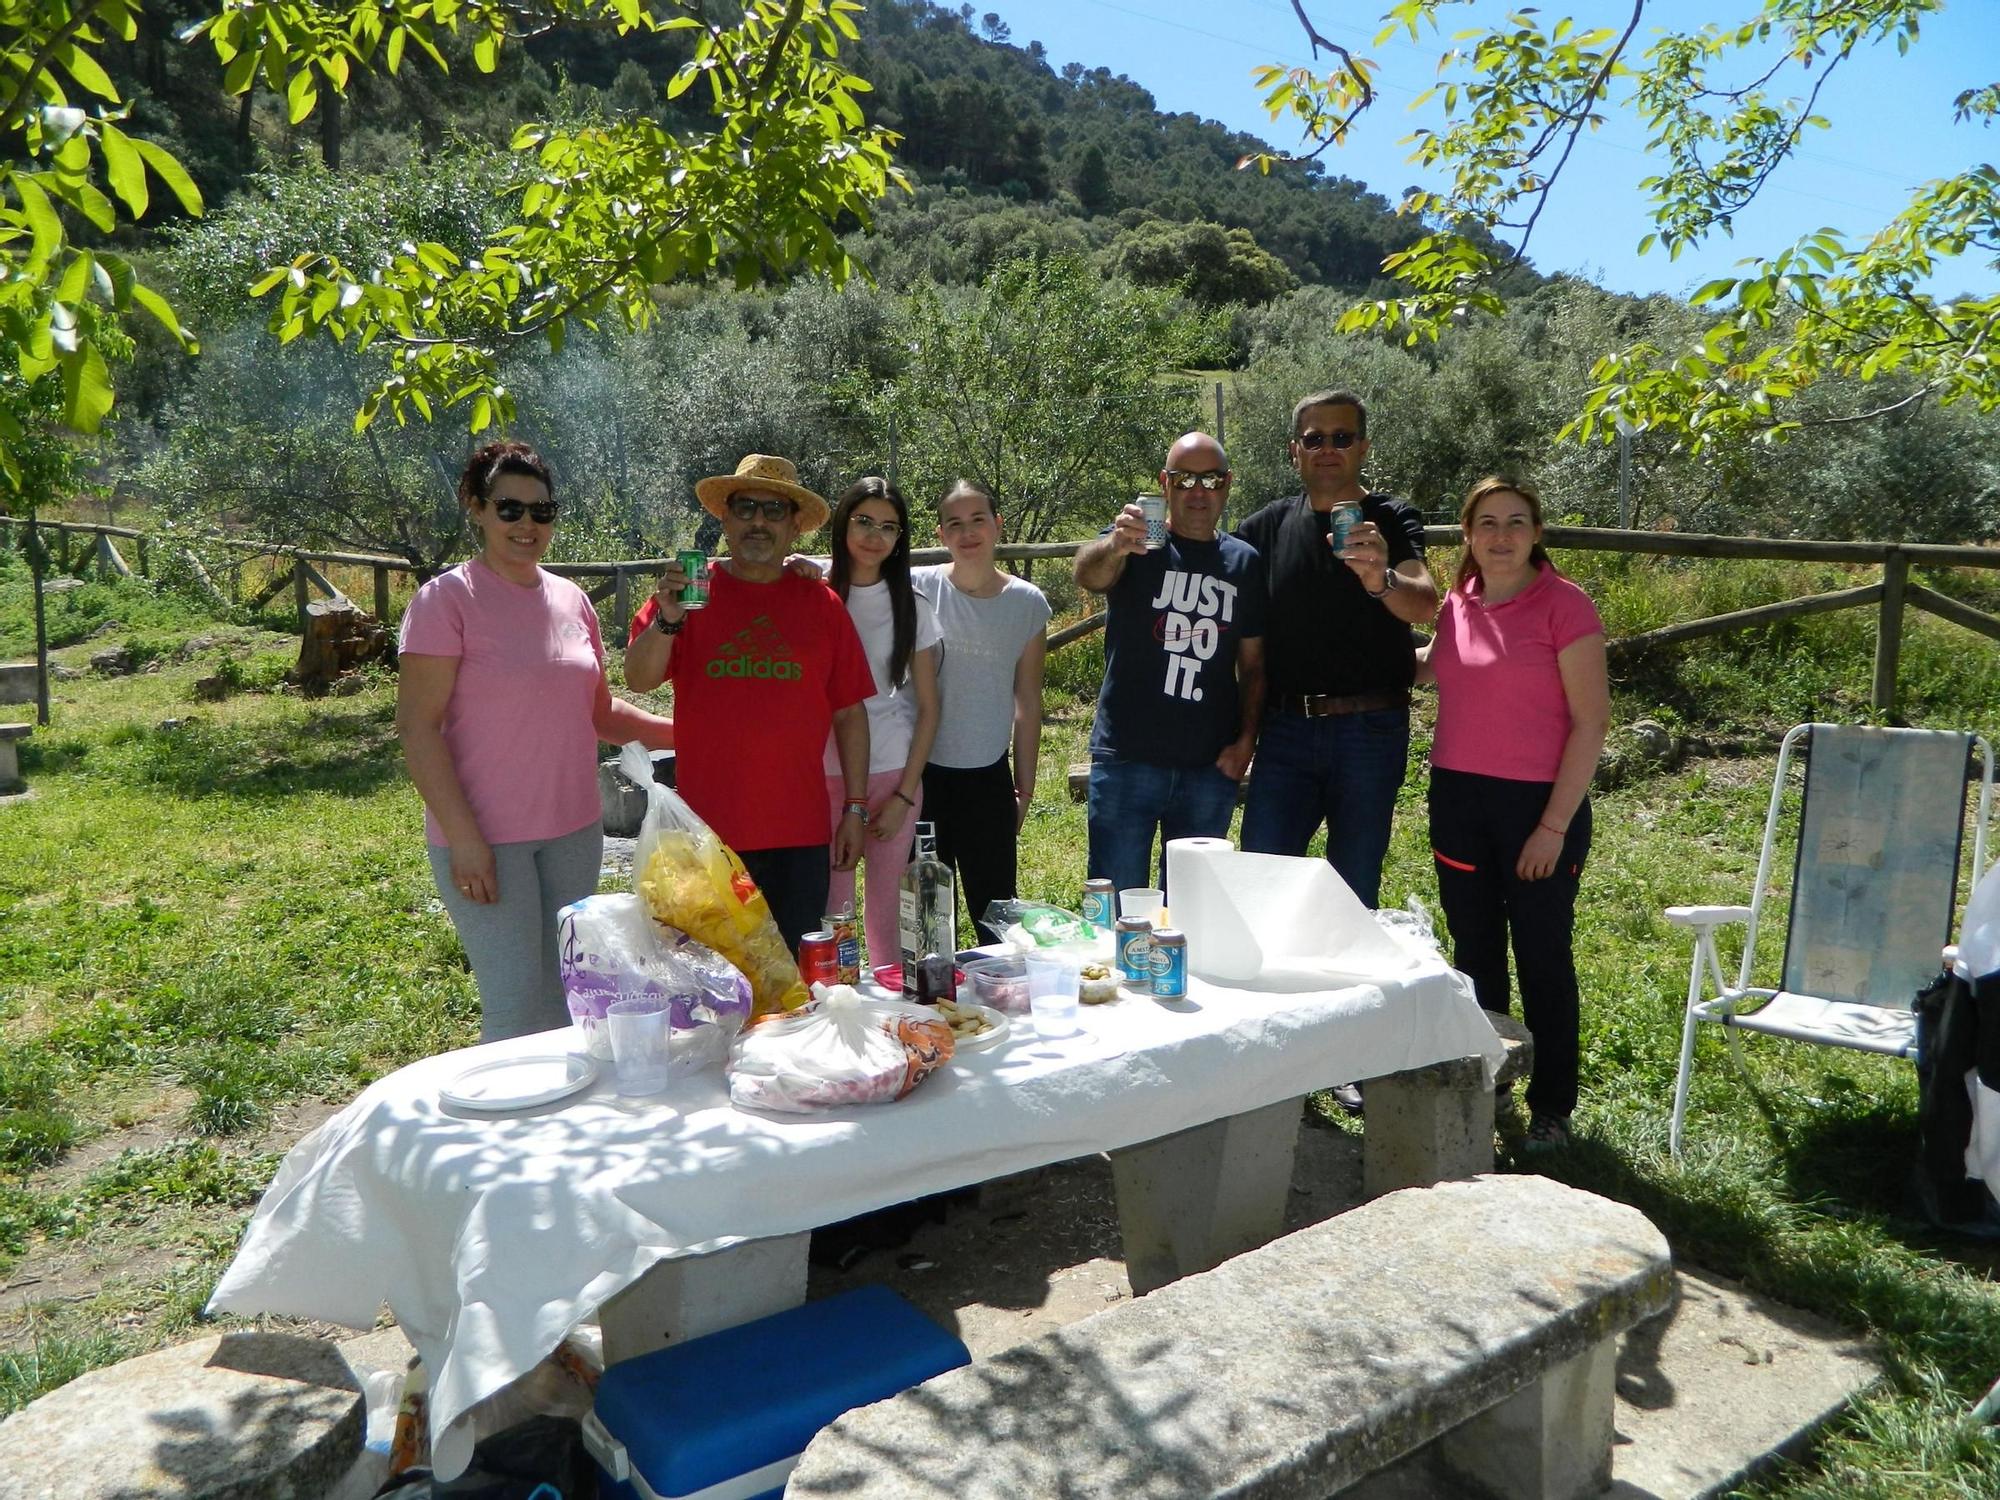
[{"x": 1271, "y": 920}]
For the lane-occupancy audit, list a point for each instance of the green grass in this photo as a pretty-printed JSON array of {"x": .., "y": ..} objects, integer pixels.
[{"x": 206, "y": 928}]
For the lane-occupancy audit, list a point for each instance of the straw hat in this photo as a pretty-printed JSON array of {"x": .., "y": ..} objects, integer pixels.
[{"x": 765, "y": 474}]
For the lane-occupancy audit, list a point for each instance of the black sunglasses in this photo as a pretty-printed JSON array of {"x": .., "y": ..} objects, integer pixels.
[
  {"x": 748, "y": 508},
  {"x": 1182, "y": 479},
  {"x": 1312, "y": 439},
  {"x": 544, "y": 511}
]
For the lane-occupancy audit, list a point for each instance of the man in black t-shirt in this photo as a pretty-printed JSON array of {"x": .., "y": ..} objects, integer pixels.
[
  {"x": 1339, "y": 659},
  {"x": 1183, "y": 670}
]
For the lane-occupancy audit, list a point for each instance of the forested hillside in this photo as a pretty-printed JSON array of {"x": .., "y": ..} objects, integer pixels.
[{"x": 1058, "y": 295}]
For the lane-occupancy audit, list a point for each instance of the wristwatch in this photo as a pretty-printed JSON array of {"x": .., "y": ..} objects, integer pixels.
[
  {"x": 857, "y": 807},
  {"x": 1390, "y": 583},
  {"x": 668, "y": 627}
]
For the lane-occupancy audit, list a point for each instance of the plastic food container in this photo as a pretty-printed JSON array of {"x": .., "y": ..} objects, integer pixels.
[{"x": 1001, "y": 982}]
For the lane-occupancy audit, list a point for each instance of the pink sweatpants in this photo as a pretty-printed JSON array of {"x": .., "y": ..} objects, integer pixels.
[{"x": 883, "y": 862}]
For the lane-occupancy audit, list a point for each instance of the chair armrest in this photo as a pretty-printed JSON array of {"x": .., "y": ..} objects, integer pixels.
[{"x": 1707, "y": 916}]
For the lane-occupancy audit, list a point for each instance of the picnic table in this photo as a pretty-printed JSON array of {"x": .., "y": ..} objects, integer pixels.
[{"x": 492, "y": 1237}]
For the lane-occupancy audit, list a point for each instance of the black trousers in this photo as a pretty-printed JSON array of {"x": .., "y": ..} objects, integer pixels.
[
  {"x": 973, "y": 811},
  {"x": 1478, "y": 825},
  {"x": 794, "y": 883}
]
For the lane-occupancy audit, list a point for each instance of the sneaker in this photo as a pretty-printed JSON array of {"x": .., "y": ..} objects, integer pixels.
[
  {"x": 1547, "y": 1133},
  {"x": 1348, "y": 1097}
]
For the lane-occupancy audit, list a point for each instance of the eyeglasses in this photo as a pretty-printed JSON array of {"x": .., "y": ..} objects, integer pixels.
[
  {"x": 749, "y": 507},
  {"x": 887, "y": 530},
  {"x": 1214, "y": 479},
  {"x": 1312, "y": 439},
  {"x": 544, "y": 511}
]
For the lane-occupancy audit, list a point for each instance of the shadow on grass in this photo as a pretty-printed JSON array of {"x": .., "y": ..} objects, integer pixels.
[
  {"x": 1855, "y": 1268},
  {"x": 352, "y": 752}
]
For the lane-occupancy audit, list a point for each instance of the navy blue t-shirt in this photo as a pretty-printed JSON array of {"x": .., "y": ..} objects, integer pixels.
[{"x": 1176, "y": 615}]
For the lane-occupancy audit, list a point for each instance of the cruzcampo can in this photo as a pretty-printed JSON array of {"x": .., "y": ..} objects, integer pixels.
[
  {"x": 846, "y": 945},
  {"x": 1169, "y": 964},
  {"x": 694, "y": 563},
  {"x": 1134, "y": 944},
  {"x": 818, "y": 961},
  {"x": 1100, "y": 903},
  {"x": 1155, "y": 507}
]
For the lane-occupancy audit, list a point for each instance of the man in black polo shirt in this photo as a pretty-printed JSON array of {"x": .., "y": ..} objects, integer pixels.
[{"x": 1338, "y": 658}]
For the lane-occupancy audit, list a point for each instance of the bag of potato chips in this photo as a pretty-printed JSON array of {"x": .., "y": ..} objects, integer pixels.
[{"x": 691, "y": 880}]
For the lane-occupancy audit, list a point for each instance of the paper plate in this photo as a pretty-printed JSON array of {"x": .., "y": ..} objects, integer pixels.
[
  {"x": 999, "y": 1027},
  {"x": 520, "y": 1082}
]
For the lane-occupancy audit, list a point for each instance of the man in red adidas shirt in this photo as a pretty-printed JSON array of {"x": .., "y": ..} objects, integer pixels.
[{"x": 760, "y": 676}]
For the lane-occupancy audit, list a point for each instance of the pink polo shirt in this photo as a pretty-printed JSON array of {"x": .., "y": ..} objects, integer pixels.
[
  {"x": 1501, "y": 709},
  {"x": 519, "y": 723}
]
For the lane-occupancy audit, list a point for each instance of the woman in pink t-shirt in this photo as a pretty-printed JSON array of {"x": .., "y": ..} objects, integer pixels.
[
  {"x": 1522, "y": 708},
  {"x": 500, "y": 702}
]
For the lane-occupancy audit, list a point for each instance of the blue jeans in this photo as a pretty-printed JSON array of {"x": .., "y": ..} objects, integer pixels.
[
  {"x": 1345, "y": 770},
  {"x": 1129, "y": 799}
]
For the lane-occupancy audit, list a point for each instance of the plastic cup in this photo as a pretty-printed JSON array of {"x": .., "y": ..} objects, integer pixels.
[
  {"x": 1052, "y": 986},
  {"x": 639, "y": 1031},
  {"x": 1141, "y": 901}
]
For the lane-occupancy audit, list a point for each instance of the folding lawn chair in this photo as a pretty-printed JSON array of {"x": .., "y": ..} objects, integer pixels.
[{"x": 1874, "y": 884}]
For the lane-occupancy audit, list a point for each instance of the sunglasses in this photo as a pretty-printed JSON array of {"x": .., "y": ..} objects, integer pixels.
[
  {"x": 748, "y": 508},
  {"x": 1181, "y": 479},
  {"x": 1312, "y": 439},
  {"x": 889, "y": 530},
  {"x": 544, "y": 511}
]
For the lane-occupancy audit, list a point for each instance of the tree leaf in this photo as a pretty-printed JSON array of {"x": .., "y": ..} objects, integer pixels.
[
  {"x": 124, "y": 167},
  {"x": 172, "y": 173},
  {"x": 87, "y": 394}
]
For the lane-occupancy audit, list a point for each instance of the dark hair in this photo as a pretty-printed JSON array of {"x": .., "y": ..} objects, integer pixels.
[
  {"x": 965, "y": 489},
  {"x": 1496, "y": 484},
  {"x": 1332, "y": 398},
  {"x": 495, "y": 459},
  {"x": 895, "y": 568}
]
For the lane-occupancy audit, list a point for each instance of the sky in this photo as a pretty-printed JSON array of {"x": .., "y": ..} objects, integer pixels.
[{"x": 1891, "y": 118}]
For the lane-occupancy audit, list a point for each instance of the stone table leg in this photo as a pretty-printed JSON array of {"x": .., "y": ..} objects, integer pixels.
[
  {"x": 1427, "y": 1125},
  {"x": 1189, "y": 1201},
  {"x": 1548, "y": 1441},
  {"x": 696, "y": 1294}
]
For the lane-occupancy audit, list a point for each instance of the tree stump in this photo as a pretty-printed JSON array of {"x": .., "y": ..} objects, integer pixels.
[{"x": 339, "y": 637}]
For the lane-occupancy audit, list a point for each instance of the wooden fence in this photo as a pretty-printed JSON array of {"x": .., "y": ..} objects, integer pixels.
[{"x": 1891, "y": 594}]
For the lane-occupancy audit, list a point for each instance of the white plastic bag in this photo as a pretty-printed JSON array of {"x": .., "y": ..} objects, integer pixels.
[
  {"x": 610, "y": 948},
  {"x": 839, "y": 1050}
]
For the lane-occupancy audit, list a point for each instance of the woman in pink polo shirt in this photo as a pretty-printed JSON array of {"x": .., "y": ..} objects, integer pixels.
[
  {"x": 1522, "y": 709},
  {"x": 500, "y": 702}
]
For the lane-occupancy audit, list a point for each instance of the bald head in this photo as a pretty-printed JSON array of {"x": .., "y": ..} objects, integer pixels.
[{"x": 1194, "y": 510}]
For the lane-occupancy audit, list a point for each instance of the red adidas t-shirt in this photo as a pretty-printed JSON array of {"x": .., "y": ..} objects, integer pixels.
[{"x": 757, "y": 676}]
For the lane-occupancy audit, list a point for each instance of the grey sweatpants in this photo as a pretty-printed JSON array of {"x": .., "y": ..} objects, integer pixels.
[{"x": 512, "y": 942}]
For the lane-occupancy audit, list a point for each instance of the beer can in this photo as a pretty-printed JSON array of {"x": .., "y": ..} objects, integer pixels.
[
  {"x": 819, "y": 959},
  {"x": 1155, "y": 507},
  {"x": 1134, "y": 943},
  {"x": 1169, "y": 964},
  {"x": 694, "y": 563},
  {"x": 846, "y": 944},
  {"x": 1100, "y": 903},
  {"x": 1342, "y": 519}
]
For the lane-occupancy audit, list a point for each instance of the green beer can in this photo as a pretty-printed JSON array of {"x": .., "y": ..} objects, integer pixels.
[{"x": 694, "y": 563}]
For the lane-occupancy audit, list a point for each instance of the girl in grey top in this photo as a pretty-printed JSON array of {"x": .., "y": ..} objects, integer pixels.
[{"x": 990, "y": 683}]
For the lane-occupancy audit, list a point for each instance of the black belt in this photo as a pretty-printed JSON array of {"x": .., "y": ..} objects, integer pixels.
[{"x": 1326, "y": 705}]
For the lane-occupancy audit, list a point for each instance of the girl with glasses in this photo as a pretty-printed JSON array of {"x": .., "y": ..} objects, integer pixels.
[
  {"x": 899, "y": 632},
  {"x": 500, "y": 702}
]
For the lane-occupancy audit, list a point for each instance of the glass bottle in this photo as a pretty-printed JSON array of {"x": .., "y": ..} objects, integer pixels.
[{"x": 927, "y": 909}]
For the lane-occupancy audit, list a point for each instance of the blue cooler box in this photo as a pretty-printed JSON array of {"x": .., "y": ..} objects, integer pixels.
[{"x": 726, "y": 1416}]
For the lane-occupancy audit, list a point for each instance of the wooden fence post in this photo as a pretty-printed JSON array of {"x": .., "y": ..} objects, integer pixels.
[
  {"x": 145, "y": 560},
  {"x": 382, "y": 593},
  {"x": 1889, "y": 633},
  {"x": 301, "y": 593},
  {"x": 621, "y": 601}
]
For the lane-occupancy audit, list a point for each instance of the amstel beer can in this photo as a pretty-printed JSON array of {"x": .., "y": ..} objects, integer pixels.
[
  {"x": 1134, "y": 944},
  {"x": 1169, "y": 965},
  {"x": 1100, "y": 903}
]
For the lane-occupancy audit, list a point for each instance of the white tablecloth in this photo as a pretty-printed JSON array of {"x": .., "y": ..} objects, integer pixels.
[{"x": 492, "y": 1237}]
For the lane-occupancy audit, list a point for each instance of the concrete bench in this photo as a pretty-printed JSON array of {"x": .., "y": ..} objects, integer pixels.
[
  {"x": 10, "y": 756},
  {"x": 1480, "y": 1317},
  {"x": 17, "y": 681}
]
